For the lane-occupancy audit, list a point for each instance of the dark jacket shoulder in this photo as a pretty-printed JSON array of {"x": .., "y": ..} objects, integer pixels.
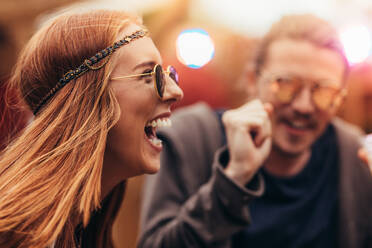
[
  {"x": 355, "y": 188},
  {"x": 195, "y": 130}
]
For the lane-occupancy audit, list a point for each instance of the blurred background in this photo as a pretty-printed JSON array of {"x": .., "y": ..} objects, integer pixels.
[{"x": 210, "y": 43}]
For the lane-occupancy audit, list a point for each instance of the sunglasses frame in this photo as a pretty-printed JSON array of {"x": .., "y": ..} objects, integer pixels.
[
  {"x": 159, "y": 92},
  {"x": 340, "y": 92}
]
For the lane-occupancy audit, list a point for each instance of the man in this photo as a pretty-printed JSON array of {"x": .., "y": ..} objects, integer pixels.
[{"x": 280, "y": 171}]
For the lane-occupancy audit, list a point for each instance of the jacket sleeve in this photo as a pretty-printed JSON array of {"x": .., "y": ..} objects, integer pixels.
[{"x": 183, "y": 206}]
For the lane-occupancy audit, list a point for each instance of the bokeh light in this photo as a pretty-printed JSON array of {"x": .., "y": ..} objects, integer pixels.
[
  {"x": 357, "y": 43},
  {"x": 194, "y": 47}
]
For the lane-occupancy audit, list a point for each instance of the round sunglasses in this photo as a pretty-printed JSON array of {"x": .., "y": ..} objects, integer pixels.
[
  {"x": 324, "y": 96},
  {"x": 159, "y": 78}
]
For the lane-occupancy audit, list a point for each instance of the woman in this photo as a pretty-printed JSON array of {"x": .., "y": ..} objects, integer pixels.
[{"x": 98, "y": 92}]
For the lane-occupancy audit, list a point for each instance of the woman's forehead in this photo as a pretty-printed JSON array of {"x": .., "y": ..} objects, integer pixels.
[{"x": 138, "y": 51}]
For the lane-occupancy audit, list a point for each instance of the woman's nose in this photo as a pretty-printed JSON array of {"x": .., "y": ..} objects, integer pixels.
[{"x": 172, "y": 90}]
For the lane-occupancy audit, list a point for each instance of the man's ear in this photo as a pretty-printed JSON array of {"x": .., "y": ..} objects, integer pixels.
[
  {"x": 250, "y": 80},
  {"x": 340, "y": 99}
]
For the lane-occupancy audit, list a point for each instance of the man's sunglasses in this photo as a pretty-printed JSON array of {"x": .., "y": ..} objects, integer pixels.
[
  {"x": 159, "y": 78},
  {"x": 323, "y": 95}
]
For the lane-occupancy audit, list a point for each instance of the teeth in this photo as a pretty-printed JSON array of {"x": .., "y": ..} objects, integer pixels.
[
  {"x": 298, "y": 124},
  {"x": 159, "y": 122},
  {"x": 165, "y": 122},
  {"x": 155, "y": 141}
]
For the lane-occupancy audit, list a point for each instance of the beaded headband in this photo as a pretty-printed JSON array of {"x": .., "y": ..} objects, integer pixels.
[{"x": 87, "y": 65}]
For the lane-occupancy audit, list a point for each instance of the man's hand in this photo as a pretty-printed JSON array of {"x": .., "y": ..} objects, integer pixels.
[
  {"x": 248, "y": 132},
  {"x": 363, "y": 155}
]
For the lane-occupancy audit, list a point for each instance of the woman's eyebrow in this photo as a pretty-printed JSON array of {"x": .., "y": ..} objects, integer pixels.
[{"x": 145, "y": 64}]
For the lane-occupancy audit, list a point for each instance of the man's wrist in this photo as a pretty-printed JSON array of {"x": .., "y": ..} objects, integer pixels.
[{"x": 240, "y": 176}]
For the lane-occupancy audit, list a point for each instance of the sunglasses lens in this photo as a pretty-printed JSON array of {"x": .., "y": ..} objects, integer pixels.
[
  {"x": 323, "y": 97},
  {"x": 159, "y": 80},
  {"x": 173, "y": 74},
  {"x": 284, "y": 89}
]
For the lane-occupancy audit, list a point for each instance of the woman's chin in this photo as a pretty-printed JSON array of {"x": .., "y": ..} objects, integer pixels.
[
  {"x": 151, "y": 166},
  {"x": 154, "y": 171}
]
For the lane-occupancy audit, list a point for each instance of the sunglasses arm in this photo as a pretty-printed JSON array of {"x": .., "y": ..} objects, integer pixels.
[{"x": 131, "y": 76}]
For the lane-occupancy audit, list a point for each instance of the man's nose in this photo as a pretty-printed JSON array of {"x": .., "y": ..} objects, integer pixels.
[{"x": 302, "y": 102}]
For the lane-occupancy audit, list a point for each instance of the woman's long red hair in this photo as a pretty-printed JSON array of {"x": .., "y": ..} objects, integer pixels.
[{"x": 50, "y": 176}]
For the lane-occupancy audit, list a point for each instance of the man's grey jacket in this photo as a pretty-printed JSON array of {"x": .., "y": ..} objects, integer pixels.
[{"x": 192, "y": 203}]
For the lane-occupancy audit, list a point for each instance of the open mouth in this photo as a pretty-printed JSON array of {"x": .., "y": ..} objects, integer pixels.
[
  {"x": 150, "y": 130},
  {"x": 299, "y": 125}
]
